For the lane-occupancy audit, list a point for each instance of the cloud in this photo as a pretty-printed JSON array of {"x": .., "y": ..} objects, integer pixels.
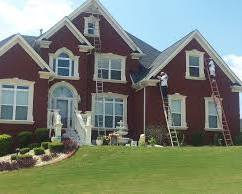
[
  {"x": 235, "y": 63},
  {"x": 30, "y": 16}
]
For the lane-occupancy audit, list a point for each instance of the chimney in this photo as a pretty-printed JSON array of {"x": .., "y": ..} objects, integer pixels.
[{"x": 41, "y": 31}]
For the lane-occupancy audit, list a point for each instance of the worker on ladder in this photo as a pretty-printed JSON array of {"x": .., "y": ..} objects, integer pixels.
[
  {"x": 211, "y": 67},
  {"x": 163, "y": 77}
]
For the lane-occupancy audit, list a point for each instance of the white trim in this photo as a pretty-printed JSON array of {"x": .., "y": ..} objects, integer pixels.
[
  {"x": 182, "y": 98},
  {"x": 137, "y": 56},
  {"x": 44, "y": 74},
  {"x": 16, "y": 122},
  {"x": 199, "y": 54},
  {"x": 44, "y": 43},
  {"x": 95, "y": 21},
  {"x": 236, "y": 88},
  {"x": 206, "y": 127},
  {"x": 109, "y": 18},
  {"x": 21, "y": 82},
  {"x": 111, "y": 95},
  {"x": 65, "y": 22},
  {"x": 85, "y": 48},
  {"x": 54, "y": 56},
  {"x": 111, "y": 56},
  {"x": 206, "y": 46},
  {"x": 18, "y": 39}
]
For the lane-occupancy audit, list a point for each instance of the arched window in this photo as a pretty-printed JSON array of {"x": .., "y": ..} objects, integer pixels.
[
  {"x": 62, "y": 92},
  {"x": 64, "y": 63}
]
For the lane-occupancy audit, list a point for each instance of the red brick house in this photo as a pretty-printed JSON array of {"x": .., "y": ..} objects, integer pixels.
[{"x": 59, "y": 70}]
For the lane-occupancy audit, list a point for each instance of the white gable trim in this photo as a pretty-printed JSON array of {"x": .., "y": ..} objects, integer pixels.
[
  {"x": 18, "y": 39},
  {"x": 109, "y": 18},
  {"x": 207, "y": 47},
  {"x": 66, "y": 22}
]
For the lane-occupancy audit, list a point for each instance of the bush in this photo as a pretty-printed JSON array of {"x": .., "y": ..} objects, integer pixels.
[
  {"x": 24, "y": 150},
  {"x": 152, "y": 141},
  {"x": 106, "y": 140},
  {"x": 24, "y": 138},
  {"x": 39, "y": 151},
  {"x": 69, "y": 145},
  {"x": 197, "y": 139},
  {"x": 44, "y": 145},
  {"x": 238, "y": 140},
  {"x": 34, "y": 145},
  {"x": 42, "y": 135},
  {"x": 14, "y": 157},
  {"x": 56, "y": 147},
  {"x": 46, "y": 158},
  {"x": 5, "y": 144}
]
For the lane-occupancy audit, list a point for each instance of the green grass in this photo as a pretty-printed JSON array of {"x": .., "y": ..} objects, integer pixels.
[{"x": 134, "y": 170}]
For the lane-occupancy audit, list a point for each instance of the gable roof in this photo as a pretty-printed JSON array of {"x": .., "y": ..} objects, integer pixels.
[
  {"x": 8, "y": 43},
  {"x": 98, "y": 6},
  {"x": 168, "y": 54},
  {"x": 65, "y": 22}
]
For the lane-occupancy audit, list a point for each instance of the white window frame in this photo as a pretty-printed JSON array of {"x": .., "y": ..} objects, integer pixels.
[
  {"x": 195, "y": 53},
  {"x": 95, "y": 21},
  {"x": 72, "y": 57},
  {"x": 110, "y": 95},
  {"x": 182, "y": 98},
  {"x": 19, "y": 82},
  {"x": 219, "y": 116},
  {"x": 110, "y": 57}
]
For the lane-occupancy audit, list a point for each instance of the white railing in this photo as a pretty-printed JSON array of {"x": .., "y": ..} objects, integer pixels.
[
  {"x": 82, "y": 125},
  {"x": 54, "y": 123}
]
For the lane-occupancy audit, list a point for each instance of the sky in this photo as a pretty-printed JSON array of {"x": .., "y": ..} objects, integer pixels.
[{"x": 158, "y": 22}]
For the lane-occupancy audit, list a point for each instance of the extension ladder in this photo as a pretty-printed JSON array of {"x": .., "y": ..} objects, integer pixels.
[
  {"x": 169, "y": 120},
  {"x": 219, "y": 105}
]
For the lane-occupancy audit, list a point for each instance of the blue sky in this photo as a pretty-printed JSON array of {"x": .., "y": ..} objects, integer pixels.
[{"x": 158, "y": 22}]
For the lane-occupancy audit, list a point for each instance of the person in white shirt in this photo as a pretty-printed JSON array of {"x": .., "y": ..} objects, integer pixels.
[
  {"x": 211, "y": 67},
  {"x": 163, "y": 77}
]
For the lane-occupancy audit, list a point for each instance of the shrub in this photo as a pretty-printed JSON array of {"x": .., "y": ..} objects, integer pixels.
[
  {"x": 14, "y": 157},
  {"x": 5, "y": 144},
  {"x": 46, "y": 158},
  {"x": 159, "y": 133},
  {"x": 106, "y": 140},
  {"x": 56, "y": 147},
  {"x": 218, "y": 139},
  {"x": 69, "y": 145},
  {"x": 197, "y": 139},
  {"x": 42, "y": 135},
  {"x": 152, "y": 141},
  {"x": 24, "y": 150},
  {"x": 39, "y": 151},
  {"x": 44, "y": 145},
  {"x": 24, "y": 138},
  {"x": 34, "y": 145},
  {"x": 238, "y": 140}
]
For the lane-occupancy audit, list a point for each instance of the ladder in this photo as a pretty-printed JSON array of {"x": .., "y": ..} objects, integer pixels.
[
  {"x": 168, "y": 116},
  {"x": 219, "y": 105},
  {"x": 99, "y": 81}
]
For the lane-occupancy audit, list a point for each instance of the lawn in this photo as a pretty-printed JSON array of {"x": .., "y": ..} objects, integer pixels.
[{"x": 134, "y": 170}]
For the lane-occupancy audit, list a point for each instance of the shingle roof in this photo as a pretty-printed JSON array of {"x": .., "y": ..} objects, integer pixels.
[{"x": 4, "y": 41}]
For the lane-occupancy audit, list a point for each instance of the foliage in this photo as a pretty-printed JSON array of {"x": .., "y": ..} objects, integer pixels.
[
  {"x": 34, "y": 145},
  {"x": 159, "y": 133},
  {"x": 39, "y": 151},
  {"x": 5, "y": 144},
  {"x": 44, "y": 145},
  {"x": 24, "y": 138},
  {"x": 14, "y": 157},
  {"x": 24, "y": 150},
  {"x": 56, "y": 147},
  {"x": 69, "y": 145},
  {"x": 218, "y": 139},
  {"x": 238, "y": 140},
  {"x": 152, "y": 141},
  {"x": 42, "y": 135},
  {"x": 46, "y": 158},
  {"x": 106, "y": 140},
  {"x": 198, "y": 138}
]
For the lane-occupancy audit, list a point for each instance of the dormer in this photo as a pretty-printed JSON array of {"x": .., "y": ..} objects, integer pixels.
[{"x": 91, "y": 28}]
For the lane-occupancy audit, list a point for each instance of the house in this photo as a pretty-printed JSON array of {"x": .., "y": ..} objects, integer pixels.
[{"x": 60, "y": 70}]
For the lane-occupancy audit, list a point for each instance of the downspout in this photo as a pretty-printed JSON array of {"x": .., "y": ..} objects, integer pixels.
[{"x": 144, "y": 110}]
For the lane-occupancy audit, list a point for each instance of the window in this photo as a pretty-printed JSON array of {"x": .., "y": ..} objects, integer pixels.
[
  {"x": 178, "y": 111},
  {"x": 16, "y": 102},
  {"x": 109, "y": 111},
  {"x": 64, "y": 63},
  {"x": 91, "y": 26},
  {"x": 195, "y": 65},
  {"x": 211, "y": 111},
  {"x": 110, "y": 67}
]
